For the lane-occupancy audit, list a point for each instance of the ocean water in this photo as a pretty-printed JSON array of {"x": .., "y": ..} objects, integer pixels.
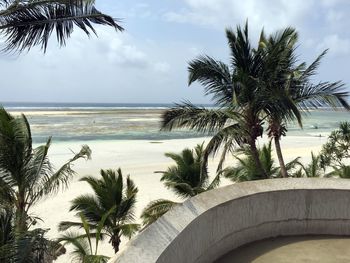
[{"x": 97, "y": 121}]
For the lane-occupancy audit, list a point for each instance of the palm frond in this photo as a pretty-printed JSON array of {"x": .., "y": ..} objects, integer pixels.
[
  {"x": 187, "y": 115},
  {"x": 323, "y": 94},
  {"x": 215, "y": 76},
  {"x": 155, "y": 210},
  {"x": 51, "y": 184},
  {"x": 128, "y": 230},
  {"x": 27, "y": 24}
]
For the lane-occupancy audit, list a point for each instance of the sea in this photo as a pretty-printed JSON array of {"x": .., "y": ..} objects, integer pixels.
[{"x": 133, "y": 121}]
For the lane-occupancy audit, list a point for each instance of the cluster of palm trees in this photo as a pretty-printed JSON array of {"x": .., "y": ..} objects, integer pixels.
[
  {"x": 261, "y": 85},
  {"x": 108, "y": 212},
  {"x": 27, "y": 177}
]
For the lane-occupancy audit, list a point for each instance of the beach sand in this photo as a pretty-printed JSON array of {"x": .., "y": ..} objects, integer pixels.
[{"x": 140, "y": 159}]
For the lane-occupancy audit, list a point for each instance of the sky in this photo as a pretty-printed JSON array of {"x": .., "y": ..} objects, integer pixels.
[{"x": 147, "y": 63}]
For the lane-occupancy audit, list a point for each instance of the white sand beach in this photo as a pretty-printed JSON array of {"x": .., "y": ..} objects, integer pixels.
[{"x": 140, "y": 159}]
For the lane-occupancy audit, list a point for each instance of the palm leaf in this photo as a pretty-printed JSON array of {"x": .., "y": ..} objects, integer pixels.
[
  {"x": 26, "y": 24},
  {"x": 156, "y": 209}
]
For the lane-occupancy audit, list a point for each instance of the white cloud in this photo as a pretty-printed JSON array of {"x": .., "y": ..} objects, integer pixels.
[
  {"x": 220, "y": 13},
  {"x": 329, "y": 3},
  {"x": 337, "y": 46},
  {"x": 162, "y": 67},
  {"x": 335, "y": 17}
]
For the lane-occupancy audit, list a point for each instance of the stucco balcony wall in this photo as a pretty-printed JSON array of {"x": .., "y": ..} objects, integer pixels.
[{"x": 208, "y": 226}]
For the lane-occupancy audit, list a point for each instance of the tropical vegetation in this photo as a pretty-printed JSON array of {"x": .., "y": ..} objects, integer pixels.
[
  {"x": 332, "y": 161},
  {"x": 184, "y": 179},
  {"x": 111, "y": 197},
  {"x": 245, "y": 168},
  {"x": 84, "y": 251},
  {"x": 26, "y": 177},
  {"x": 261, "y": 83}
]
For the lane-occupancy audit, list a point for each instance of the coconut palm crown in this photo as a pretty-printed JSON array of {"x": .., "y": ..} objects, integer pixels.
[
  {"x": 289, "y": 89},
  {"x": 26, "y": 174},
  {"x": 184, "y": 179},
  {"x": 110, "y": 196},
  {"x": 236, "y": 93}
]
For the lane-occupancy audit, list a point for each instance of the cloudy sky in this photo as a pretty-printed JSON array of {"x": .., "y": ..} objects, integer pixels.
[{"x": 148, "y": 61}]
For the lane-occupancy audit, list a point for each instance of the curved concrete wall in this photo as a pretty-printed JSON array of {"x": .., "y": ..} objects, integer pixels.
[{"x": 207, "y": 226}]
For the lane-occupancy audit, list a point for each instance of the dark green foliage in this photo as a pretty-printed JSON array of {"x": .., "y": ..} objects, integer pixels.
[
  {"x": 111, "y": 196},
  {"x": 26, "y": 177},
  {"x": 265, "y": 82},
  {"x": 235, "y": 90},
  {"x": 246, "y": 170},
  {"x": 184, "y": 179},
  {"x": 337, "y": 147},
  {"x": 313, "y": 169},
  {"x": 330, "y": 161},
  {"x": 289, "y": 87},
  {"x": 25, "y": 24},
  {"x": 83, "y": 249},
  {"x": 155, "y": 210}
]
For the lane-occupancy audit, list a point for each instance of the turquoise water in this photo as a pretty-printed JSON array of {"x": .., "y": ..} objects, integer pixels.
[{"x": 83, "y": 122}]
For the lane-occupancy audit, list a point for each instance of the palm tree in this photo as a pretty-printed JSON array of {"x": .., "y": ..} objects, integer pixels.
[
  {"x": 110, "y": 194},
  {"x": 184, "y": 179},
  {"x": 236, "y": 93},
  {"x": 83, "y": 249},
  {"x": 246, "y": 169},
  {"x": 289, "y": 89},
  {"x": 25, "y": 24},
  {"x": 26, "y": 174},
  {"x": 313, "y": 169},
  {"x": 26, "y": 177},
  {"x": 343, "y": 171}
]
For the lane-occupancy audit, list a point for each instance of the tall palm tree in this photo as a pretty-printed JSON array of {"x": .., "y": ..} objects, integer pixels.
[
  {"x": 289, "y": 89},
  {"x": 184, "y": 179},
  {"x": 246, "y": 170},
  {"x": 110, "y": 194},
  {"x": 26, "y": 23},
  {"x": 26, "y": 174},
  {"x": 26, "y": 177},
  {"x": 236, "y": 93}
]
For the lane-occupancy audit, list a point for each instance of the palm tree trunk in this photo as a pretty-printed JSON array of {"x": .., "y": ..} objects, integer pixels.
[
  {"x": 255, "y": 155},
  {"x": 280, "y": 157},
  {"x": 115, "y": 240}
]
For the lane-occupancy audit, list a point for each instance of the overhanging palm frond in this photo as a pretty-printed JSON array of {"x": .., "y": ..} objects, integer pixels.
[
  {"x": 155, "y": 210},
  {"x": 312, "y": 69},
  {"x": 50, "y": 182},
  {"x": 226, "y": 139},
  {"x": 30, "y": 23},
  {"x": 215, "y": 76},
  {"x": 88, "y": 205},
  {"x": 128, "y": 230},
  {"x": 187, "y": 115},
  {"x": 323, "y": 94},
  {"x": 80, "y": 244}
]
